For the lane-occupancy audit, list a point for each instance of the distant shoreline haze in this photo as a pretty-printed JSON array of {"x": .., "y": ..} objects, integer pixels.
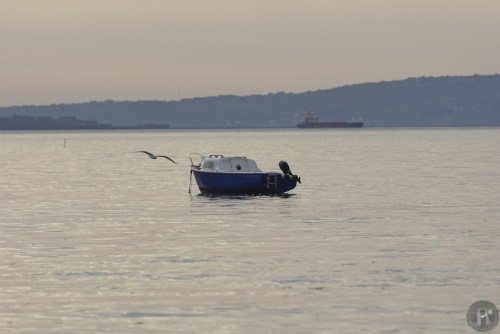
[
  {"x": 425, "y": 101},
  {"x": 16, "y": 122}
]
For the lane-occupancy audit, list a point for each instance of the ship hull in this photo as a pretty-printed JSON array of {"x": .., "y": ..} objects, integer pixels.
[
  {"x": 243, "y": 183},
  {"x": 321, "y": 125}
]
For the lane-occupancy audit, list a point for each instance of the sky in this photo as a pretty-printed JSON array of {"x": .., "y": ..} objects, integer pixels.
[{"x": 70, "y": 51}]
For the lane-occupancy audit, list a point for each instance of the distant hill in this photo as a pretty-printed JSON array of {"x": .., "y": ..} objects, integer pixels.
[{"x": 426, "y": 101}]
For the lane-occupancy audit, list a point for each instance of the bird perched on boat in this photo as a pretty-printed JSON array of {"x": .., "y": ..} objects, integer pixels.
[{"x": 154, "y": 156}]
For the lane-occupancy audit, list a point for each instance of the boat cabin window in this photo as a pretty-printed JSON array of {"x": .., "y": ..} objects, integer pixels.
[
  {"x": 230, "y": 165},
  {"x": 208, "y": 164}
]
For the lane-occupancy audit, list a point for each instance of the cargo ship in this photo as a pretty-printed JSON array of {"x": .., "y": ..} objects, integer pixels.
[{"x": 312, "y": 121}]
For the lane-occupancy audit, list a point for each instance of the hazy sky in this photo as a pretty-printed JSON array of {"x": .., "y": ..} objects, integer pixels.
[{"x": 64, "y": 51}]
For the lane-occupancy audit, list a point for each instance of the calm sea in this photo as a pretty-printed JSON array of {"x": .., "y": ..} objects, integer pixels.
[{"x": 391, "y": 231}]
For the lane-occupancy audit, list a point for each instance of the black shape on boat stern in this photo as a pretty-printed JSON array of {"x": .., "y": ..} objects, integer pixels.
[{"x": 288, "y": 175}]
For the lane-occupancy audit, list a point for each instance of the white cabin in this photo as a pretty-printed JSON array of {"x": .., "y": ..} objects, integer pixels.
[{"x": 220, "y": 164}]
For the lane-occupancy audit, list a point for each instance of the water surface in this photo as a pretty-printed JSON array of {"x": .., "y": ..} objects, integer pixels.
[{"x": 391, "y": 230}]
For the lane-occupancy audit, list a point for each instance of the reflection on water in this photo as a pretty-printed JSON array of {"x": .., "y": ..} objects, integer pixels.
[{"x": 391, "y": 230}]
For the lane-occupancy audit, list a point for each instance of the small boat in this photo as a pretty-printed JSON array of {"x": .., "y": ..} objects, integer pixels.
[
  {"x": 312, "y": 121},
  {"x": 217, "y": 174}
]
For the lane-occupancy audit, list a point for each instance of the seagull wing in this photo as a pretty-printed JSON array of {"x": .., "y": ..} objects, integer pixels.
[
  {"x": 164, "y": 156},
  {"x": 151, "y": 155}
]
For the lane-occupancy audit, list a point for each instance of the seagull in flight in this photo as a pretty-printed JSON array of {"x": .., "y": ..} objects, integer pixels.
[{"x": 154, "y": 156}]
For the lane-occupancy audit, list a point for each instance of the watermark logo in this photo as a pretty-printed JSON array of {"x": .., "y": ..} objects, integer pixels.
[{"x": 482, "y": 316}]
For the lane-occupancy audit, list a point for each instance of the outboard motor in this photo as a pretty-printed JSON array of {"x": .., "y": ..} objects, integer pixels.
[
  {"x": 287, "y": 172},
  {"x": 285, "y": 168}
]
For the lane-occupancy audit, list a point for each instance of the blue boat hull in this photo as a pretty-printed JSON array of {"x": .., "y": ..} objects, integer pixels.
[{"x": 243, "y": 183}]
